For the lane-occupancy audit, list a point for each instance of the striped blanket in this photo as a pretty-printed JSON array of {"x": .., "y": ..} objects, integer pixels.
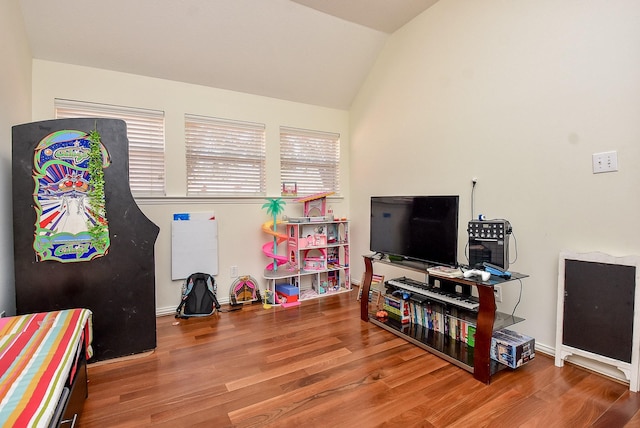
[{"x": 37, "y": 354}]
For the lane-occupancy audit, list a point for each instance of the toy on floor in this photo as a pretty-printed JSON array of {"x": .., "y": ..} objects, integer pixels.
[{"x": 244, "y": 290}]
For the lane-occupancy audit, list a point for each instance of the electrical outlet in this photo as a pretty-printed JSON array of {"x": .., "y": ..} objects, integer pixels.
[
  {"x": 497, "y": 292},
  {"x": 605, "y": 162},
  {"x": 234, "y": 271}
]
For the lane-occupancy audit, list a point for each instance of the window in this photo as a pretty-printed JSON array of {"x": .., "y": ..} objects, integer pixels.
[
  {"x": 311, "y": 159},
  {"x": 224, "y": 157},
  {"x": 145, "y": 131}
]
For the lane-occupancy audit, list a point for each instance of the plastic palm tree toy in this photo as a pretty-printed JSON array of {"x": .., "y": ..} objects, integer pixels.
[{"x": 274, "y": 207}]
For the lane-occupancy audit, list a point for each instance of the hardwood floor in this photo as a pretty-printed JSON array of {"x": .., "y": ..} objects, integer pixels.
[{"x": 319, "y": 365}]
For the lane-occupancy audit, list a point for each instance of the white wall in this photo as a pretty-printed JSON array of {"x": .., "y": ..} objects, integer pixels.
[
  {"x": 520, "y": 95},
  {"x": 15, "y": 108},
  {"x": 239, "y": 219}
]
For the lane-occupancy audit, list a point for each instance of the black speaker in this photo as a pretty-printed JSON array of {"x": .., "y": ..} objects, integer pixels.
[{"x": 489, "y": 242}]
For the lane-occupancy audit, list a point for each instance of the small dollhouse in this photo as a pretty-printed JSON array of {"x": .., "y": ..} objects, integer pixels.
[{"x": 317, "y": 248}]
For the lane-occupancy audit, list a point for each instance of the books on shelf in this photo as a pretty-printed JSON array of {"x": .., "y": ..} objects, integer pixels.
[
  {"x": 445, "y": 271},
  {"x": 398, "y": 309},
  {"x": 457, "y": 323}
]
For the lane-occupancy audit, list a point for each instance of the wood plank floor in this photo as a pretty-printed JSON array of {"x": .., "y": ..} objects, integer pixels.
[{"x": 319, "y": 365}]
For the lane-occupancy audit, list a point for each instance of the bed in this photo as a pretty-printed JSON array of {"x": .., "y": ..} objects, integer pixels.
[{"x": 43, "y": 370}]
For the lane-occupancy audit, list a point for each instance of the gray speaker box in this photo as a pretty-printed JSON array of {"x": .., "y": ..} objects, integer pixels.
[{"x": 489, "y": 242}]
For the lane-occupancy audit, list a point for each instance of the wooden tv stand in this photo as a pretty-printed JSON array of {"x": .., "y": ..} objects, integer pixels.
[{"x": 475, "y": 359}]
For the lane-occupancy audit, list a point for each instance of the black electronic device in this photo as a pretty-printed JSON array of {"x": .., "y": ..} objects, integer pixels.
[
  {"x": 489, "y": 242},
  {"x": 423, "y": 228}
]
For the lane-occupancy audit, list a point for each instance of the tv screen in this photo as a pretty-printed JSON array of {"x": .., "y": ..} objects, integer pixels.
[{"x": 423, "y": 228}]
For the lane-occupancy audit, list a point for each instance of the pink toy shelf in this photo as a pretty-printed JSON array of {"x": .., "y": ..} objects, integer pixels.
[{"x": 317, "y": 254}]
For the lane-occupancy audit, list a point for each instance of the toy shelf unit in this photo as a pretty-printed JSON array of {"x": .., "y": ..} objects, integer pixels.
[
  {"x": 318, "y": 261},
  {"x": 447, "y": 319}
]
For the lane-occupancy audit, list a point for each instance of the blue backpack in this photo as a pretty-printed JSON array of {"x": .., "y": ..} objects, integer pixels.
[{"x": 198, "y": 296}]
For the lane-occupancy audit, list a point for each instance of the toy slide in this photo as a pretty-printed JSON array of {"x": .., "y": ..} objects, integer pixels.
[{"x": 267, "y": 248}]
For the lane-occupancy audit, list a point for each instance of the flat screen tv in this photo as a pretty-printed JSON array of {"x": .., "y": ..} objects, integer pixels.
[{"x": 422, "y": 228}]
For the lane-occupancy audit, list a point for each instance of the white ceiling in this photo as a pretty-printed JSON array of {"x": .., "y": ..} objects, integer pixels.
[{"x": 311, "y": 51}]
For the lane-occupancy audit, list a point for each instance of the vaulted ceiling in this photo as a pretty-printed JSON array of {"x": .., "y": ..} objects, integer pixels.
[{"x": 311, "y": 51}]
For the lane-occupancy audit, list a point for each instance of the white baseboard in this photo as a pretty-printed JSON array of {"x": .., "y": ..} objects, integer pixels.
[
  {"x": 544, "y": 349},
  {"x": 160, "y": 312},
  {"x": 585, "y": 363},
  {"x": 171, "y": 310}
]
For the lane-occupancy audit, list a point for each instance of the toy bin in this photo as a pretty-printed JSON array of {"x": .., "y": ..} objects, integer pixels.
[{"x": 287, "y": 292}]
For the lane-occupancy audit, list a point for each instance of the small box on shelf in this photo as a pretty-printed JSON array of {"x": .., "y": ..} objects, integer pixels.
[
  {"x": 289, "y": 188},
  {"x": 398, "y": 309},
  {"x": 511, "y": 348},
  {"x": 287, "y": 292}
]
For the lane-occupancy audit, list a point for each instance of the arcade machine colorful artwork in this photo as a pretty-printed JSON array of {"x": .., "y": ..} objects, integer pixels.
[{"x": 61, "y": 197}]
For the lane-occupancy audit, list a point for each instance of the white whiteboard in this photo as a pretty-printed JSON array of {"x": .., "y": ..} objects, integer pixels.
[{"x": 194, "y": 244}]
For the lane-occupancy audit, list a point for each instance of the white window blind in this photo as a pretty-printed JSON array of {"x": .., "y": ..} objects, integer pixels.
[
  {"x": 145, "y": 132},
  {"x": 311, "y": 159},
  {"x": 224, "y": 157}
]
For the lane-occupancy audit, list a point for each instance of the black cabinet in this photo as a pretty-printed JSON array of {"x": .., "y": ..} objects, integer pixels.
[{"x": 119, "y": 287}]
